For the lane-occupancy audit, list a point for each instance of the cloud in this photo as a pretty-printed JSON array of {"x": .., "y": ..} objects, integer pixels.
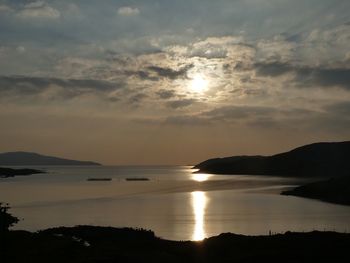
[
  {"x": 273, "y": 69},
  {"x": 215, "y": 47},
  {"x": 38, "y": 10},
  {"x": 5, "y": 8},
  {"x": 128, "y": 11},
  {"x": 53, "y": 88},
  {"x": 187, "y": 120},
  {"x": 339, "y": 109},
  {"x": 335, "y": 118},
  {"x": 176, "y": 104},
  {"x": 171, "y": 73},
  {"x": 136, "y": 99},
  {"x": 238, "y": 113},
  {"x": 277, "y": 48},
  {"x": 141, "y": 74},
  {"x": 306, "y": 76},
  {"x": 166, "y": 94}
]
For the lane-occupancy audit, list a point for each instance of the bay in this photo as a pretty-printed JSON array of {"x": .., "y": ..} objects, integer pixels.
[{"x": 175, "y": 203}]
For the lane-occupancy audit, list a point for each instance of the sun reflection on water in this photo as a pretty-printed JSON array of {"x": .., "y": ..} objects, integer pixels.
[
  {"x": 200, "y": 177},
  {"x": 199, "y": 202}
]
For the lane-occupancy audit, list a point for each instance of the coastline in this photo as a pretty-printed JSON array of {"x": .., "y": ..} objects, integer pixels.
[{"x": 10, "y": 172}]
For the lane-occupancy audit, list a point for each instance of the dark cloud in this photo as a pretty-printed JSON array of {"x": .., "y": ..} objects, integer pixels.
[
  {"x": 154, "y": 73},
  {"x": 273, "y": 69},
  {"x": 141, "y": 74},
  {"x": 181, "y": 103},
  {"x": 136, "y": 99},
  {"x": 68, "y": 88},
  {"x": 332, "y": 77},
  {"x": 239, "y": 66},
  {"x": 307, "y": 76},
  {"x": 166, "y": 94},
  {"x": 170, "y": 73}
]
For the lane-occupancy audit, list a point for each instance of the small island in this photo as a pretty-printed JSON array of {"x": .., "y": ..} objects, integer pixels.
[{"x": 9, "y": 172}]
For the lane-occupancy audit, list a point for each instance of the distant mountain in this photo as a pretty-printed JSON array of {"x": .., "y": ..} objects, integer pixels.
[
  {"x": 27, "y": 158},
  {"x": 319, "y": 159}
]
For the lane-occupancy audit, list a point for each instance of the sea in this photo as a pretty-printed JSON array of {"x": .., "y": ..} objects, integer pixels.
[{"x": 173, "y": 201}]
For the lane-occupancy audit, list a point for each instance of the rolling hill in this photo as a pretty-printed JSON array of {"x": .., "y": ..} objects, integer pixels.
[{"x": 314, "y": 160}]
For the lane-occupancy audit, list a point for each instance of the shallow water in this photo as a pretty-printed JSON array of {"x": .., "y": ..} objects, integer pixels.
[{"x": 175, "y": 203}]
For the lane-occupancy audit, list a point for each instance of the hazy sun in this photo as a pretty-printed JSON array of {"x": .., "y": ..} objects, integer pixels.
[{"x": 199, "y": 83}]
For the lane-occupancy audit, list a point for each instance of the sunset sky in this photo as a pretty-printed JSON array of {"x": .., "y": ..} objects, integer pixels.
[{"x": 172, "y": 82}]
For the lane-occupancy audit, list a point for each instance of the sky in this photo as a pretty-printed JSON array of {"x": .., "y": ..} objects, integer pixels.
[{"x": 172, "y": 82}]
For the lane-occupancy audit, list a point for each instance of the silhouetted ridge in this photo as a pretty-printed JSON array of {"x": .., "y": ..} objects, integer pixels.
[
  {"x": 318, "y": 159},
  {"x": 28, "y": 158}
]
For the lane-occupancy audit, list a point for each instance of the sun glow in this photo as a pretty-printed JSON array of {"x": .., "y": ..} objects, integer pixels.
[
  {"x": 199, "y": 203},
  {"x": 199, "y": 83}
]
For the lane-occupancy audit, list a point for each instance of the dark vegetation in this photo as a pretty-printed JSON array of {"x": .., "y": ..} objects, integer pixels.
[
  {"x": 105, "y": 244},
  {"x": 335, "y": 190},
  {"x": 314, "y": 160},
  {"x": 9, "y": 172},
  {"x": 26, "y": 158},
  {"x": 101, "y": 244},
  {"x": 6, "y": 219}
]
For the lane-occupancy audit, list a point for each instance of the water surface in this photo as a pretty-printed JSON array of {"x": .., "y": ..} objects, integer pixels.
[{"x": 175, "y": 203}]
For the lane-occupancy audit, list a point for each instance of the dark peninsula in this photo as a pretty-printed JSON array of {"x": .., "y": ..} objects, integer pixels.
[
  {"x": 9, "y": 172},
  {"x": 335, "y": 190},
  {"x": 314, "y": 160},
  {"x": 34, "y": 159}
]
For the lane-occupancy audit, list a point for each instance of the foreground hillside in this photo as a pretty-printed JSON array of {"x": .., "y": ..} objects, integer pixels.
[
  {"x": 99, "y": 244},
  {"x": 314, "y": 160}
]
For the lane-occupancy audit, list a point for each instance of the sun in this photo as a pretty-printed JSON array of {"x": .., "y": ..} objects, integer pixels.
[{"x": 199, "y": 84}]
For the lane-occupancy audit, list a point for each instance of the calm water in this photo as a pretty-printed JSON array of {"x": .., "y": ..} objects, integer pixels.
[{"x": 175, "y": 203}]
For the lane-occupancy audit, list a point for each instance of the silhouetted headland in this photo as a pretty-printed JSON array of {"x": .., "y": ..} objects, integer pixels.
[
  {"x": 9, "y": 172},
  {"x": 106, "y": 244},
  {"x": 335, "y": 190},
  {"x": 314, "y": 160},
  {"x": 27, "y": 158}
]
